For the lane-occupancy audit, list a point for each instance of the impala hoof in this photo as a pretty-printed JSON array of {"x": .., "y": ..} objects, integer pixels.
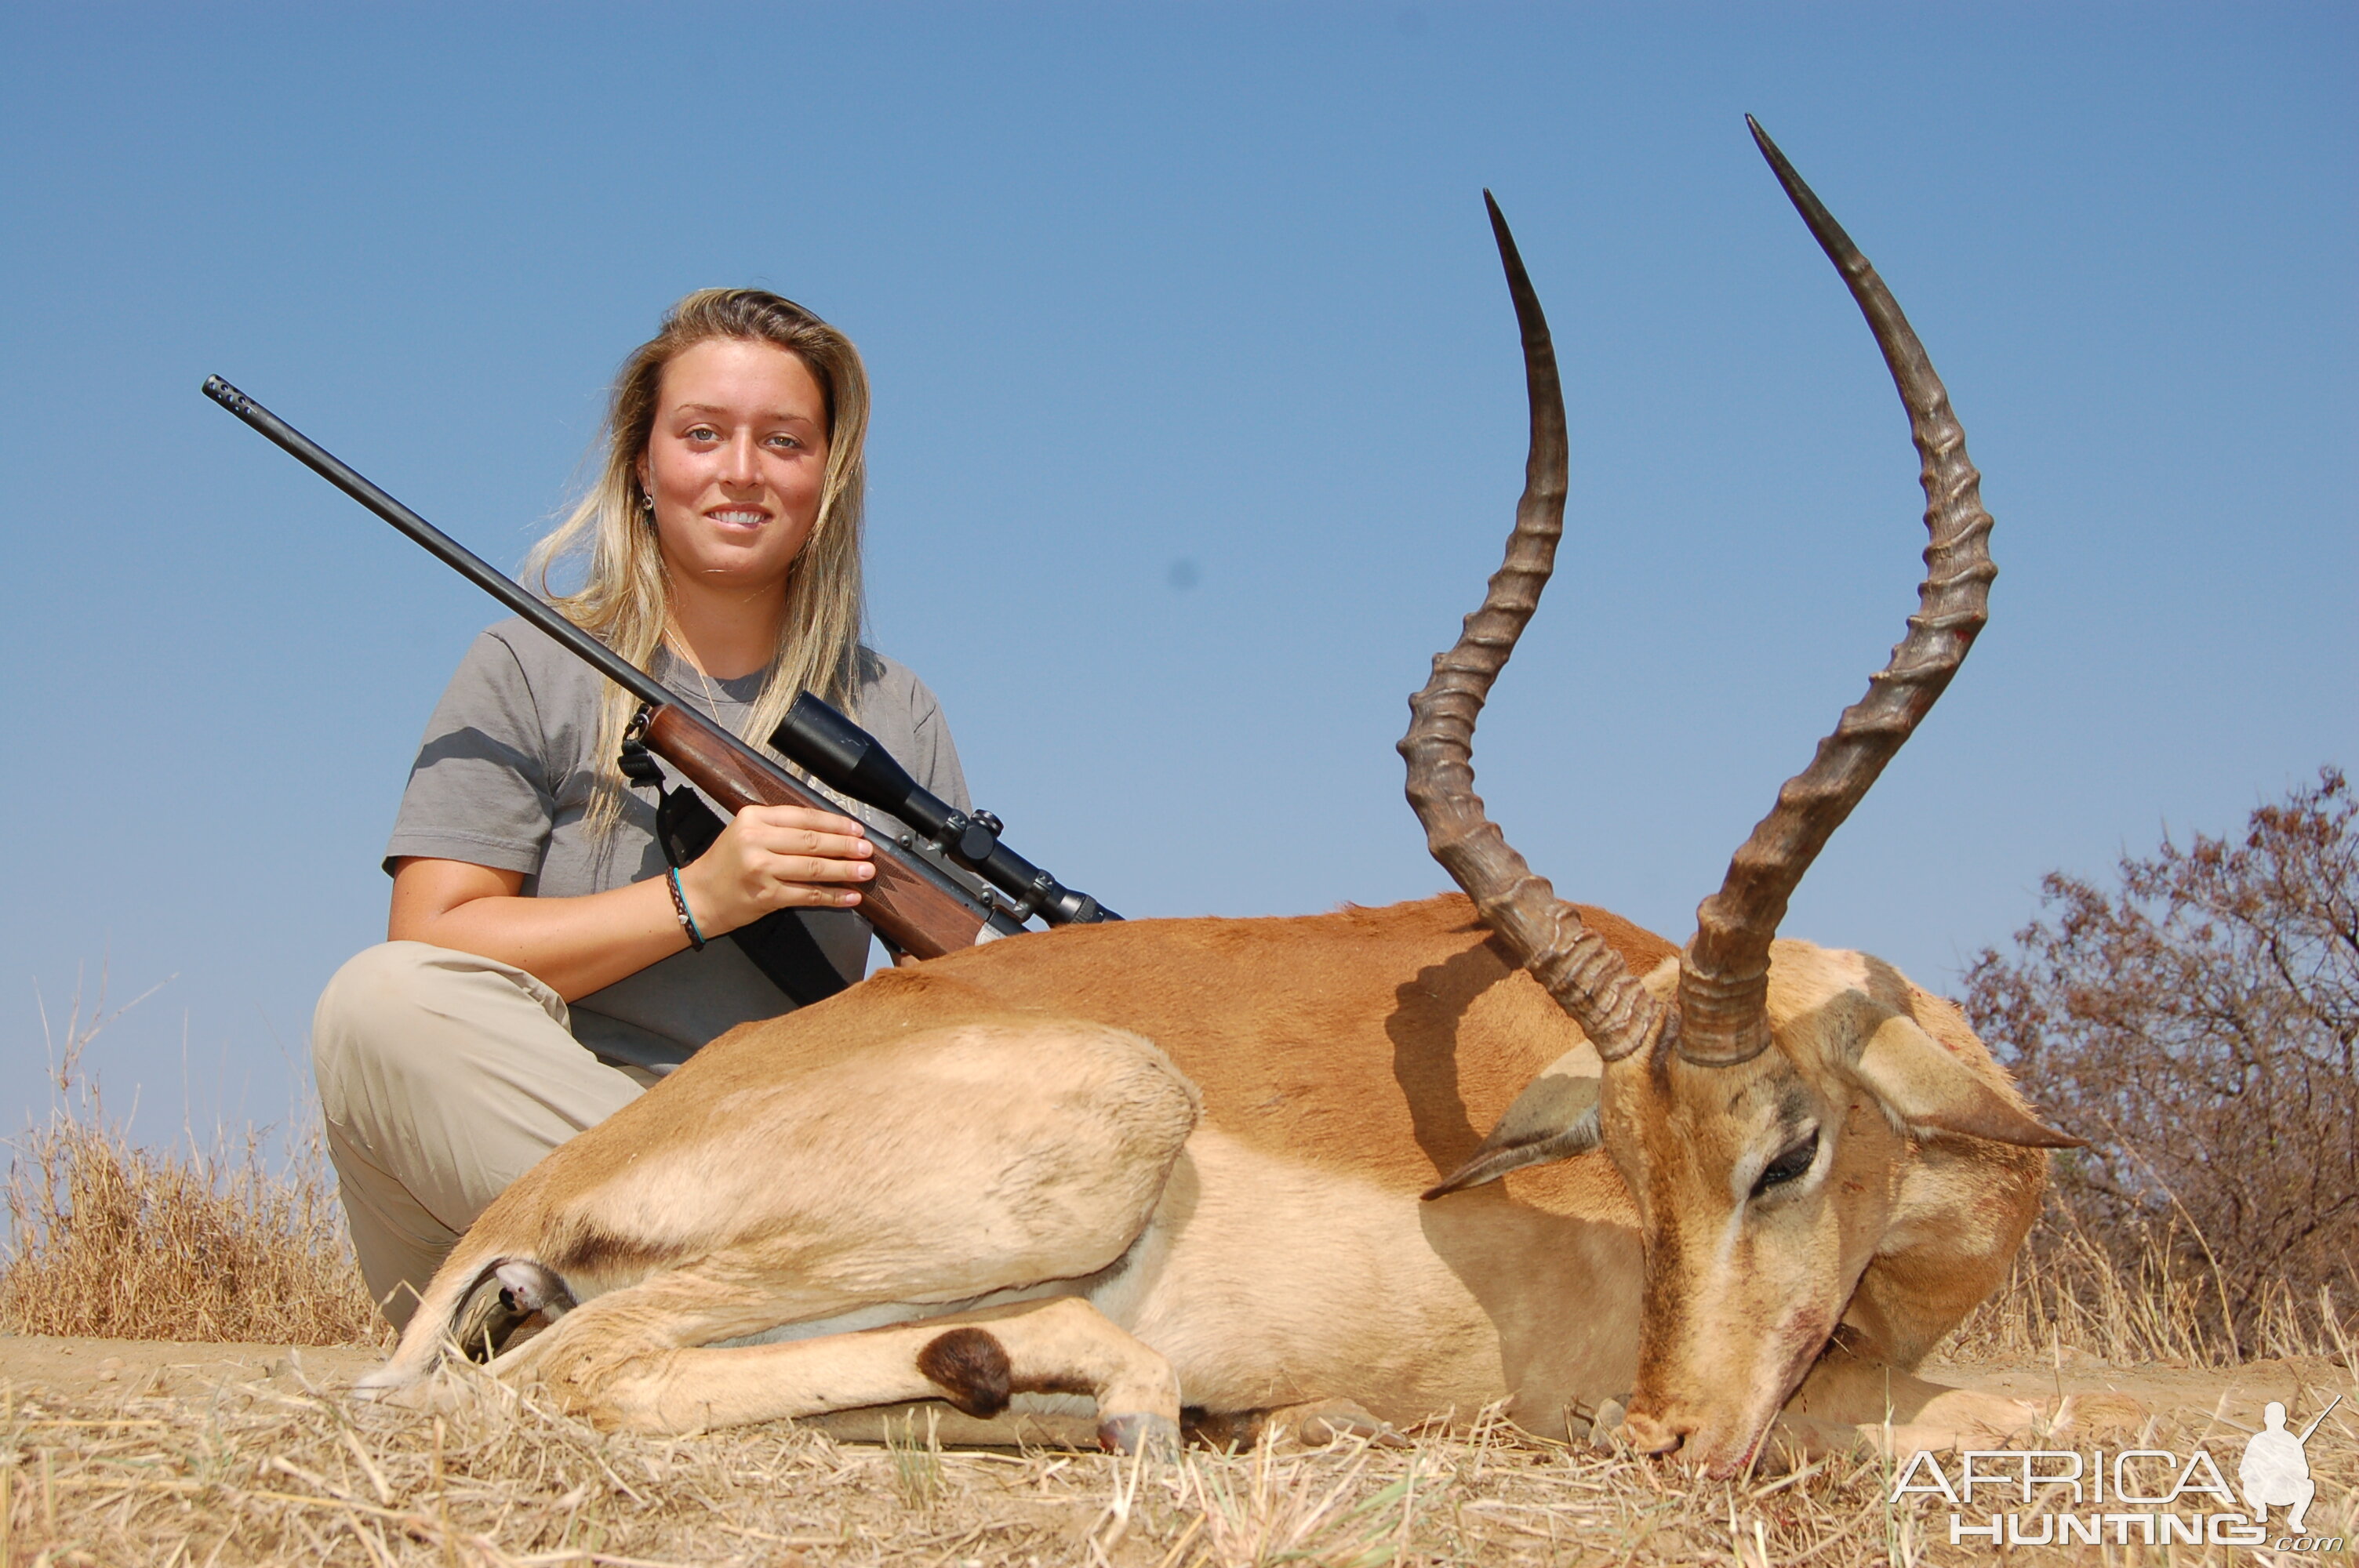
[
  {"x": 1336, "y": 1420},
  {"x": 386, "y": 1380},
  {"x": 1605, "y": 1426},
  {"x": 1138, "y": 1432}
]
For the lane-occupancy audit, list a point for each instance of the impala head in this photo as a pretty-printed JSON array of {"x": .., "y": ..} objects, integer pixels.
[{"x": 1763, "y": 1103}]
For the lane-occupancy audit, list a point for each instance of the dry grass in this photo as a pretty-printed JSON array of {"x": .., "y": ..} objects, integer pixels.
[
  {"x": 131, "y": 1243},
  {"x": 109, "y": 1239},
  {"x": 2138, "y": 1301},
  {"x": 279, "y": 1471}
]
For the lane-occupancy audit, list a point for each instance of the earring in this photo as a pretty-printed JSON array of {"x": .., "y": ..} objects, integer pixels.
[{"x": 648, "y": 505}]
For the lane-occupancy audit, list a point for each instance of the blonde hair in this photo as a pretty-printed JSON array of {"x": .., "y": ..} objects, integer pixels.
[{"x": 626, "y": 600}]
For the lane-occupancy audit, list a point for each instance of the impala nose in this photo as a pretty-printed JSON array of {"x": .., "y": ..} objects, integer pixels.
[{"x": 1649, "y": 1434}]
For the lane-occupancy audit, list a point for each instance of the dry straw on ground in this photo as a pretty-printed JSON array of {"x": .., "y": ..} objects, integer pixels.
[{"x": 278, "y": 1471}]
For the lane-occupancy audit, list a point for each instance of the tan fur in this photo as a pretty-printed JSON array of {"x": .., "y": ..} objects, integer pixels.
[{"x": 1238, "y": 1200}]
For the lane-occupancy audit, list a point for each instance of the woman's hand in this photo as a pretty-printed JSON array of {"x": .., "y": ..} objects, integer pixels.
[
  {"x": 777, "y": 856},
  {"x": 771, "y": 857}
]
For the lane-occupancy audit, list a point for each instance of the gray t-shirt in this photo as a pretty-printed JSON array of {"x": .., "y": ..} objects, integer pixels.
[{"x": 504, "y": 779}]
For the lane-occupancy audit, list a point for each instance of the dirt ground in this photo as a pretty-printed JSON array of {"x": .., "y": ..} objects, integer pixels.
[
  {"x": 2231, "y": 1395},
  {"x": 118, "y": 1451},
  {"x": 85, "y": 1370}
]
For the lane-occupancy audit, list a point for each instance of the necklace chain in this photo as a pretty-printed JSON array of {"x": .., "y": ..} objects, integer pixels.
[{"x": 688, "y": 656}]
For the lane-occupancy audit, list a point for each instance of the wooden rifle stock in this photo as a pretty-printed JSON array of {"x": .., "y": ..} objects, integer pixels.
[{"x": 904, "y": 905}]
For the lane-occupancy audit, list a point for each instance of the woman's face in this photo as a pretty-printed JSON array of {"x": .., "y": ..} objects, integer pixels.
[{"x": 735, "y": 463}]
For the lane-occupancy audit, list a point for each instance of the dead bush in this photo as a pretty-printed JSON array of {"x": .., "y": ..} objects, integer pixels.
[{"x": 2197, "y": 1023}]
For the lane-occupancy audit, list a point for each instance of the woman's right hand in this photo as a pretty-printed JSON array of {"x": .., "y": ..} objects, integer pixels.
[{"x": 777, "y": 856}]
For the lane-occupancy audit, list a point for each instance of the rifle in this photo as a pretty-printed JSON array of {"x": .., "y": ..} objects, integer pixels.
[{"x": 914, "y": 900}]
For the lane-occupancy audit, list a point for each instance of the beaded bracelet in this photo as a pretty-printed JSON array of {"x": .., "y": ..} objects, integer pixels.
[{"x": 679, "y": 907}]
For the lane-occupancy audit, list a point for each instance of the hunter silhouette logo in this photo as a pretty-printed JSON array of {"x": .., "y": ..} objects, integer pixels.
[{"x": 2275, "y": 1472}]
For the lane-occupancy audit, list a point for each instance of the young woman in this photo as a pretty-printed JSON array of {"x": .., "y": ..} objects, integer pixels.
[{"x": 541, "y": 971}]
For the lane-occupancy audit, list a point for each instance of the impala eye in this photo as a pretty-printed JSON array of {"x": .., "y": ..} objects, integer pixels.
[{"x": 1793, "y": 1163}]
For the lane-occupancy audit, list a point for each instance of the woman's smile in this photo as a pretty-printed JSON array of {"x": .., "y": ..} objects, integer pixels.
[{"x": 736, "y": 463}]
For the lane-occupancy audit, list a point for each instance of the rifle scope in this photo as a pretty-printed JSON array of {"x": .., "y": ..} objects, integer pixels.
[{"x": 843, "y": 755}]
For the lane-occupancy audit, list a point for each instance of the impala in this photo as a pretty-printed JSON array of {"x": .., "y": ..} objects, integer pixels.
[{"x": 1236, "y": 1170}]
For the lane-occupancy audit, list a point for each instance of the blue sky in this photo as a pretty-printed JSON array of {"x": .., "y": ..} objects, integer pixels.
[{"x": 1198, "y": 427}]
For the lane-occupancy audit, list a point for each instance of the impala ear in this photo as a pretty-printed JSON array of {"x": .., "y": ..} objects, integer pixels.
[
  {"x": 1925, "y": 1086},
  {"x": 1554, "y": 1118}
]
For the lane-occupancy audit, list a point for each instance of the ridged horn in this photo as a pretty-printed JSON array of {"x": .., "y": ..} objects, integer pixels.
[
  {"x": 1587, "y": 979},
  {"x": 1725, "y": 973}
]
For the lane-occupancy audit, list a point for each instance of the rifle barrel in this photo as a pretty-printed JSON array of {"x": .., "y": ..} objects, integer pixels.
[
  {"x": 451, "y": 553},
  {"x": 940, "y": 914}
]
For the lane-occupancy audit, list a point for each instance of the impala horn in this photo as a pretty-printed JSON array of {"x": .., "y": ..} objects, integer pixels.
[
  {"x": 1587, "y": 979},
  {"x": 1722, "y": 1016},
  {"x": 1725, "y": 973}
]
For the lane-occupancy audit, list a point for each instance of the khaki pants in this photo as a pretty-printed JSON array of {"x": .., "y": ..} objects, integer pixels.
[{"x": 444, "y": 1076}]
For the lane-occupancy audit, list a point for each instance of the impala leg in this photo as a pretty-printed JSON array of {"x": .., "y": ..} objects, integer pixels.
[
  {"x": 642, "y": 1377},
  {"x": 1846, "y": 1390}
]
